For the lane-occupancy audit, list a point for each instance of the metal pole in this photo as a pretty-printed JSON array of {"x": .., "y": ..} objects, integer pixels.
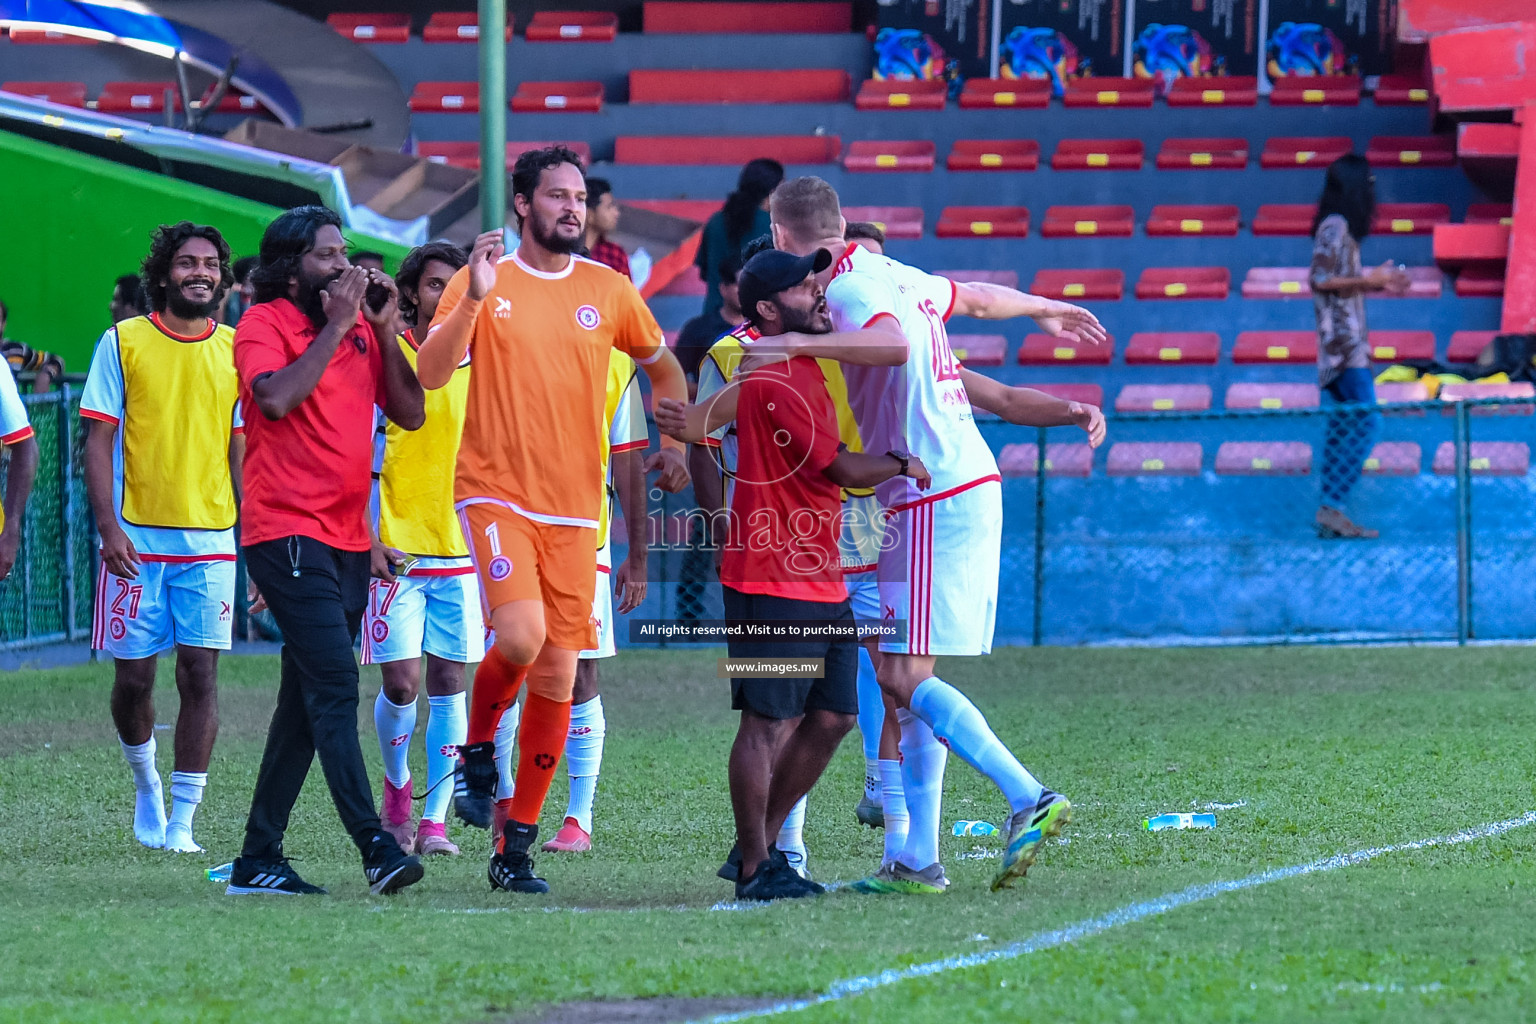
[
  {"x": 1463, "y": 526},
  {"x": 493, "y": 114},
  {"x": 66, "y": 512},
  {"x": 1039, "y": 537}
]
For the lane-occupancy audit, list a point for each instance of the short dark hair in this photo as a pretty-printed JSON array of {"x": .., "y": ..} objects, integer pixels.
[
  {"x": 415, "y": 263},
  {"x": 164, "y": 243},
  {"x": 761, "y": 243},
  {"x": 596, "y": 189},
  {"x": 367, "y": 254},
  {"x": 132, "y": 287},
  {"x": 530, "y": 167},
  {"x": 283, "y": 246},
  {"x": 243, "y": 267},
  {"x": 730, "y": 267},
  {"x": 864, "y": 229}
]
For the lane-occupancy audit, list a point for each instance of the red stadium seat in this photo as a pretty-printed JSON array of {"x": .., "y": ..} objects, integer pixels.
[
  {"x": 1062, "y": 459},
  {"x": 69, "y": 94},
  {"x": 715, "y": 18},
  {"x": 983, "y": 222},
  {"x": 994, "y": 155},
  {"x": 1220, "y": 91},
  {"x": 1394, "y": 458},
  {"x": 1275, "y": 347},
  {"x": 236, "y": 102},
  {"x": 1308, "y": 90},
  {"x": 1277, "y": 283},
  {"x": 979, "y": 349},
  {"x": 467, "y": 154},
  {"x": 1396, "y": 346},
  {"x": 1460, "y": 245},
  {"x": 445, "y": 98},
  {"x": 1109, "y": 92},
  {"x": 1490, "y": 213},
  {"x": 1154, "y": 458},
  {"x": 1184, "y": 283},
  {"x": 1466, "y": 346},
  {"x": 895, "y": 221},
  {"x": 1264, "y": 458},
  {"x": 1270, "y": 395},
  {"x": 1480, "y": 283},
  {"x": 1402, "y": 91},
  {"x": 1044, "y": 350},
  {"x": 1094, "y": 283},
  {"x": 1006, "y": 278},
  {"x": 1192, "y": 220},
  {"x": 815, "y": 85},
  {"x": 897, "y": 94},
  {"x": 1163, "y": 397},
  {"x": 456, "y": 27},
  {"x": 1488, "y": 148},
  {"x": 136, "y": 97},
  {"x": 1304, "y": 150},
  {"x": 1411, "y": 151},
  {"x": 1098, "y": 155},
  {"x": 1216, "y": 154},
  {"x": 1486, "y": 458},
  {"x": 1082, "y": 221},
  {"x": 725, "y": 149},
  {"x": 372, "y": 28},
  {"x": 987, "y": 93},
  {"x": 1409, "y": 218},
  {"x": 1389, "y": 392},
  {"x": 561, "y": 97},
  {"x": 1284, "y": 219},
  {"x": 1173, "y": 348},
  {"x": 573, "y": 27},
  {"x": 901, "y": 155},
  {"x": 1472, "y": 392},
  {"x": 32, "y": 36},
  {"x": 1088, "y": 394}
]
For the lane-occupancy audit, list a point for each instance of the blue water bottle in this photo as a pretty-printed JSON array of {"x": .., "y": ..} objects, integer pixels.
[
  {"x": 975, "y": 828},
  {"x": 221, "y": 873},
  {"x": 1179, "y": 821}
]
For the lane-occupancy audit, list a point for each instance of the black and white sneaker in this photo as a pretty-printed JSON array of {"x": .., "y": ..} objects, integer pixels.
[
  {"x": 251, "y": 877},
  {"x": 387, "y": 868},
  {"x": 474, "y": 784},
  {"x": 776, "y": 880},
  {"x": 511, "y": 870}
]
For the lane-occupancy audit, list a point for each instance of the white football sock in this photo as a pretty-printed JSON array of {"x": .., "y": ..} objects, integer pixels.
[
  {"x": 896, "y": 820},
  {"x": 447, "y": 726},
  {"x": 584, "y": 759},
  {"x": 149, "y": 800},
  {"x": 923, "y": 759},
  {"x": 395, "y": 723},
  {"x": 871, "y": 721},
  {"x": 506, "y": 739},
  {"x": 792, "y": 835},
  {"x": 186, "y": 793},
  {"x": 955, "y": 720}
]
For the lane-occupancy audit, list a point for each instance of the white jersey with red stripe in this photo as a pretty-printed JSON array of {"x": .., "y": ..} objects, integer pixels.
[{"x": 920, "y": 407}]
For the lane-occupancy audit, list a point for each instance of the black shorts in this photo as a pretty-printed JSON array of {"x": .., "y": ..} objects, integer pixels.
[{"x": 778, "y": 697}]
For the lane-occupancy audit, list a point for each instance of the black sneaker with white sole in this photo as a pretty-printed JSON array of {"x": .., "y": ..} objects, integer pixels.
[
  {"x": 387, "y": 868},
  {"x": 776, "y": 880},
  {"x": 474, "y": 784},
  {"x": 511, "y": 869},
  {"x": 252, "y": 877}
]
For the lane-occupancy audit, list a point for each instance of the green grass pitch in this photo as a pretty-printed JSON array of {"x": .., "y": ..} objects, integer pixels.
[{"x": 1328, "y": 750}]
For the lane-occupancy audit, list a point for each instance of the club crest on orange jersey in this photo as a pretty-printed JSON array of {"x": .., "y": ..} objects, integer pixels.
[{"x": 588, "y": 317}]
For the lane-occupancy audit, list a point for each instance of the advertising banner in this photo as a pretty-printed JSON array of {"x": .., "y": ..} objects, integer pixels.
[
  {"x": 950, "y": 40},
  {"x": 1062, "y": 40},
  {"x": 1329, "y": 37},
  {"x": 1173, "y": 39}
]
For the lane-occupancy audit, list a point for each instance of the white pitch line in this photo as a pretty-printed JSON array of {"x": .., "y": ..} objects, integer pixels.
[{"x": 1128, "y": 914}]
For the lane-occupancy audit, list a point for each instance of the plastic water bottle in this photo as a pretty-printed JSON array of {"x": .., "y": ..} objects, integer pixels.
[
  {"x": 1179, "y": 821},
  {"x": 975, "y": 828},
  {"x": 221, "y": 873}
]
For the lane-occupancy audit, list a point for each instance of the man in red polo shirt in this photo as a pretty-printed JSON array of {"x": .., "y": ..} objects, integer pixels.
[
  {"x": 312, "y": 368},
  {"x": 782, "y": 571}
]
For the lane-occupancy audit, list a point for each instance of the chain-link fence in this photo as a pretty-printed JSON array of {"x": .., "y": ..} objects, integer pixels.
[{"x": 1239, "y": 526}]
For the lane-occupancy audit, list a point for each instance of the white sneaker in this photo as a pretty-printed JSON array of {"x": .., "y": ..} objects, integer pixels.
[
  {"x": 178, "y": 839},
  {"x": 149, "y": 817}
]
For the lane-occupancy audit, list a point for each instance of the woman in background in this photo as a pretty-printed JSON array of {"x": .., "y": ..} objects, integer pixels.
[{"x": 743, "y": 217}]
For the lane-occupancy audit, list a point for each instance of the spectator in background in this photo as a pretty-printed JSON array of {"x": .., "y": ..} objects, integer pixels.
[
  {"x": 698, "y": 334},
  {"x": 128, "y": 298},
  {"x": 240, "y": 295},
  {"x": 1339, "y": 288},
  {"x": 602, "y": 221},
  {"x": 867, "y": 234},
  {"x": 743, "y": 217},
  {"x": 369, "y": 260},
  {"x": 45, "y": 366}
]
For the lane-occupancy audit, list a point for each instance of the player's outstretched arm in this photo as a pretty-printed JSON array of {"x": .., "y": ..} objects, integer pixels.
[
  {"x": 879, "y": 344},
  {"x": 1030, "y": 408},
  {"x": 984, "y": 301},
  {"x": 690, "y": 424},
  {"x": 861, "y": 469},
  {"x": 668, "y": 382},
  {"x": 18, "y": 485},
  {"x": 448, "y": 341}
]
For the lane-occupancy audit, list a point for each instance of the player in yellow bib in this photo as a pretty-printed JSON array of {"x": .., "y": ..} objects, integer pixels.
[
  {"x": 423, "y": 598},
  {"x": 162, "y": 469}
]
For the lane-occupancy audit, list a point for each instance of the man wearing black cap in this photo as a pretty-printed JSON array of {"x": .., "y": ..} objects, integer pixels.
[{"x": 782, "y": 570}]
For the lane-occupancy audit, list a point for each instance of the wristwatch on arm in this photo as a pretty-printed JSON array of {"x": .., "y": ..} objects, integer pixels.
[{"x": 902, "y": 459}]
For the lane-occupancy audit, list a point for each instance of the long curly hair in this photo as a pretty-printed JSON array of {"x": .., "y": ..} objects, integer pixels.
[
  {"x": 757, "y": 181},
  {"x": 415, "y": 263},
  {"x": 167, "y": 240},
  {"x": 283, "y": 246}
]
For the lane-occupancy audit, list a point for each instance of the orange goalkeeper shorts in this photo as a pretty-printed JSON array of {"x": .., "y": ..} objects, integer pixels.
[{"x": 518, "y": 559}]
